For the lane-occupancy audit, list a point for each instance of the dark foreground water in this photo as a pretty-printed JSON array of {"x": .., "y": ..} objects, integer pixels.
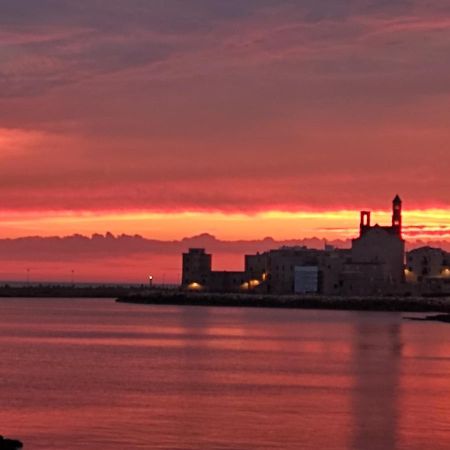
[{"x": 94, "y": 374}]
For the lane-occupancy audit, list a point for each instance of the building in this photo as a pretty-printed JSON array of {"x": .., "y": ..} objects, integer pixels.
[
  {"x": 428, "y": 270},
  {"x": 287, "y": 270},
  {"x": 306, "y": 280},
  {"x": 256, "y": 266},
  {"x": 332, "y": 265},
  {"x": 374, "y": 265},
  {"x": 426, "y": 262},
  {"x": 198, "y": 274},
  {"x": 377, "y": 256},
  {"x": 282, "y": 264},
  {"x": 196, "y": 269},
  {"x": 228, "y": 281}
]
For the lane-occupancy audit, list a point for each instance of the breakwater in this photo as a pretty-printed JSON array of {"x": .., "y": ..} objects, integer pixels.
[
  {"x": 401, "y": 304},
  {"x": 65, "y": 291}
]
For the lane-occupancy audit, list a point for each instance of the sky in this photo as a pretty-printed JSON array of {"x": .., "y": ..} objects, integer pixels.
[{"x": 239, "y": 118}]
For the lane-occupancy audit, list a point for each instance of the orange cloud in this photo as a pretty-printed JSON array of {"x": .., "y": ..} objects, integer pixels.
[
  {"x": 340, "y": 224},
  {"x": 211, "y": 116}
]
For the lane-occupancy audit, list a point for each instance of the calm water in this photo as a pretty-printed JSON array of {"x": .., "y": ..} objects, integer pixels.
[{"x": 93, "y": 374}]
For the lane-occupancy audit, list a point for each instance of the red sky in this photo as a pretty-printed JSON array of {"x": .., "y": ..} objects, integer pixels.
[{"x": 240, "y": 118}]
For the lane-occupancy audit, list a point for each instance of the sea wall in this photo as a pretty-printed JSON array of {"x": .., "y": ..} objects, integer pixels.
[{"x": 403, "y": 304}]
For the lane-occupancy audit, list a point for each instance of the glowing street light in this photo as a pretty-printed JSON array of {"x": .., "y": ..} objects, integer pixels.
[
  {"x": 150, "y": 280},
  {"x": 195, "y": 286}
]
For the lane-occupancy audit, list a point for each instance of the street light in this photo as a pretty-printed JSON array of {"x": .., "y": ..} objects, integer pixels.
[{"x": 150, "y": 280}]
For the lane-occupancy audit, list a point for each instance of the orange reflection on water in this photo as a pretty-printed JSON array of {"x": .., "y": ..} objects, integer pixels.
[{"x": 97, "y": 374}]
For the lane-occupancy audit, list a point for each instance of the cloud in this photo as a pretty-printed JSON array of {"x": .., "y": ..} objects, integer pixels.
[
  {"x": 122, "y": 258},
  {"x": 126, "y": 258},
  {"x": 231, "y": 106}
]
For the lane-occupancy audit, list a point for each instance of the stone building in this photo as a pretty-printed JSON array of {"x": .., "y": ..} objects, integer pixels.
[
  {"x": 332, "y": 267},
  {"x": 425, "y": 262},
  {"x": 428, "y": 270},
  {"x": 228, "y": 281},
  {"x": 280, "y": 271},
  {"x": 373, "y": 266},
  {"x": 377, "y": 256},
  {"x": 196, "y": 269},
  {"x": 198, "y": 274},
  {"x": 256, "y": 266},
  {"x": 281, "y": 266}
]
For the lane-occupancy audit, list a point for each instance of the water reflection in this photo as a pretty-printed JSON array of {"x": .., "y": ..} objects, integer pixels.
[
  {"x": 74, "y": 373},
  {"x": 191, "y": 378},
  {"x": 377, "y": 355}
]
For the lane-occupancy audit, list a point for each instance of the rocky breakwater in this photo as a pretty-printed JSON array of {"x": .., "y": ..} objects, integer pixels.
[
  {"x": 434, "y": 318},
  {"x": 9, "y": 444},
  {"x": 401, "y": 304}
]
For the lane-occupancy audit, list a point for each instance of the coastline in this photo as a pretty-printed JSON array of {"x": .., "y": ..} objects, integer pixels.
[
  {"x": 64, "y": 291},
  {"x": 142, "y": 296},
  {"x": 392, "y": 304}
]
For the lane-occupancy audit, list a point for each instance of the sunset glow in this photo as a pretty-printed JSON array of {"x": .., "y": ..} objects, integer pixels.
[
  {"x": 418, "y": 224},
  {"x": 243, "y": 120},
  {"x": 225, "y": 224}
]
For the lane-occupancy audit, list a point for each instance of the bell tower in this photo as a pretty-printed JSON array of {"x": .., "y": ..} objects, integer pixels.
[
  {"x": 365, "y": 222},
  {"x": 397, "y": 216}
]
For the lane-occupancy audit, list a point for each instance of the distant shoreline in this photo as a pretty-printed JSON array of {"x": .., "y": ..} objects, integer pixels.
[
  {"x": 142, "y": 296},
  {"x": 393, "y": 304},
  {"x": 64, "y": 291}
]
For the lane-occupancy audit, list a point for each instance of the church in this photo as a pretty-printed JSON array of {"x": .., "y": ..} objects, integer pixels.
[{"x": 377, "y": 256}]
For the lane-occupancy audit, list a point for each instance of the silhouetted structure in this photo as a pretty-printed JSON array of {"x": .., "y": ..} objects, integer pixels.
[
  {"x": 396, "y": 226},
  {"x": 377, "y": 257},
  {"x": 428, "y": 270},
  {"x": 198, "y": 275},
  {"x": 9, "y": 444},
  {"x": 196, "y": 269},
  {"x": 375, "y": 265}
]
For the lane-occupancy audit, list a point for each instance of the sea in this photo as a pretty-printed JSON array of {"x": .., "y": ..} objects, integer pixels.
[{"x": 96, "y": 374}]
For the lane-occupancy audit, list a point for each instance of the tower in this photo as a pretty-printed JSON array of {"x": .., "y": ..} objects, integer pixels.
[
  {"x": 397, "y": 216},
  {"x": 196, "y": 269},
  {"x": 365, "y": 222}
]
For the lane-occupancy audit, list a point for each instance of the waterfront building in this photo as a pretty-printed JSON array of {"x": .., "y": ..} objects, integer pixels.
[
  {"x": 332, "y": 265},
  {"x": 374, "y": 265},
  {"x": 196, "y": 269},
  {"x": 377, "y": 256},
  {"x": 256, "y": 266},
  {"x": 306, "y": 280},
  {"x": 428, "y": 270},
  {"x": 198, "y": 274},
  {"x": 282, "y": 264},
  {"x": 228, "y": 281},
  {"x": 426, "y": 262}
]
